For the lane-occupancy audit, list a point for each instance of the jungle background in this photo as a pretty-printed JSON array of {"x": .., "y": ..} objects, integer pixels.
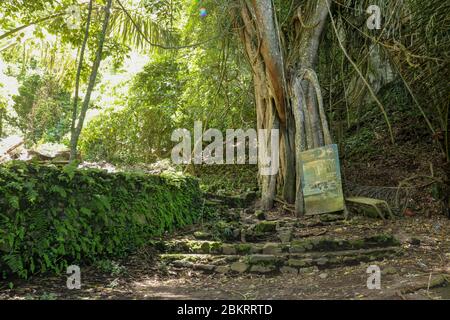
[{"x": 109, "y": 86}]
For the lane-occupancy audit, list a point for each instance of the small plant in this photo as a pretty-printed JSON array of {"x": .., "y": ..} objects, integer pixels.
[
  {"x": 163, "y": 268},
  {"x": 48, "y": 296},
  {"x": 111, "y": 267},
  {"x": 221, "y": 230}
]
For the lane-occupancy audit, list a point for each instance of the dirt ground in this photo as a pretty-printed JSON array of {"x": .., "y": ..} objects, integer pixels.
[{"x": 420, "y": 273}]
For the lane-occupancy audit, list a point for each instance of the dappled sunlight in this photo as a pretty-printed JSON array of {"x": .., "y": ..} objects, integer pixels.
[{"x": 199, "y": 150}]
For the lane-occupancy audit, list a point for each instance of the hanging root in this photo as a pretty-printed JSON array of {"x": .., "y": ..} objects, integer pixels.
[{"x": 311, "y": 76}]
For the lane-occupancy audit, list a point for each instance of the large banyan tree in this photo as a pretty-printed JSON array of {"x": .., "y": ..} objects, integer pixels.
[
  {"x": 287, "y": 92},
  {"x": 283, "y": 41}
]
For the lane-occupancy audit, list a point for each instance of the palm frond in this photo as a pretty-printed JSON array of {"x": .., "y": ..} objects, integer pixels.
[{"x": 139, "y": 29}]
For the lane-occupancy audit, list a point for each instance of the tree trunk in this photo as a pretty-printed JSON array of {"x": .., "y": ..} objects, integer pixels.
[
  {"x": 287, "y": 91},
  {"x": 2, "y": 115},
  {"x": 73, "y": 149},
  {"x": 91, "y": 84}
]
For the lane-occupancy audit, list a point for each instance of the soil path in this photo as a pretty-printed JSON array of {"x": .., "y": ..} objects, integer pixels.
[{"x": 424, "y": 265}]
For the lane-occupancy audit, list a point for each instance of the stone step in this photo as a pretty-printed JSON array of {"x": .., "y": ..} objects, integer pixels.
[
  {"x": 295, "y": 246},
  {"x": 240, "y": 201},
  {"x": 270, "y": 263},
  {"x": 235, "y": 226}
]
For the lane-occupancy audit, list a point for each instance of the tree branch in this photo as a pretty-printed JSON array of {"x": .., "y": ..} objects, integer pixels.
[{"x": 11, "y": 32}]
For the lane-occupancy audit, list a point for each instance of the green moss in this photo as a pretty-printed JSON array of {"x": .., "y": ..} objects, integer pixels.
[
  {"x": 216, "y": 247},
  {"x": 382, "y": 240},
  {"x": 263, "y": 260},
  {"x": 202, "y": 235},
  {"x": 357, "y": 244},
  {"x": 260, "y": 215},
  {"x": 53, "y": 217},
  {"x": 300, "y": 263},
  {"x": 266, "y": 227},
  {"x": 325, "y": 244},
  {"x": 243, "y": 248}
]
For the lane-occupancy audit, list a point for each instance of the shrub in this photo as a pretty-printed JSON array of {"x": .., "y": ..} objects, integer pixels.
[{"x": 51, "y": 217}]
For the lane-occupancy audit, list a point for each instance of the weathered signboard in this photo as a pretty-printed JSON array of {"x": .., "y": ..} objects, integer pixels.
[{"x": 321, "y": 180}]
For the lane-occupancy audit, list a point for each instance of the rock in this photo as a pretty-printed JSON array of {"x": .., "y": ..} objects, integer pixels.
[
  {"x": 223, "y": 269},
  {"x": 182, "y": 264},
  {"x": 205, "y": 247},
  {"x": 240, "y": 267},
  {"x": 323, "y": 275},
  {"x": 243, "y": 248},
  {"x": 260, "y": 215},
  {"x": 266, "y": 227},
  {"x": 202, "y": 235},
  {"x": 389, "y": 270},
  {"x": 215, "y": 247},
  {"x": 285, "y": 235},
  {"x": 300, "y": 262},
  {"x": 228, "y": 249},
  {"x": 262, "y": 259},
  {"x": 289, "y": 270},
  {"x": 322, "y": 261},
  {"x": 301, "y": 246},
  {"x": 297, "y": 249},
  {"x": 349, "y": 260},
  {"x": 422, "y": 265},
  {"x": 256, "y": 248},
  {"x": 262, "y": 269},
  {"x": 231, "y": 258},
  {"x": 380, "y": 240},
  {"x": 271, "y": 248},
  {"x": 49, "y": 151},
  {"x": 204, "y": 267},
  {"x": 193, "y": 246}
]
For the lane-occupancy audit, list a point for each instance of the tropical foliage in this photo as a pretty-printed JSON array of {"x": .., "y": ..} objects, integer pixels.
[
  {"x": 112, "y": 79},
  {"x": 52, "y": 217}
]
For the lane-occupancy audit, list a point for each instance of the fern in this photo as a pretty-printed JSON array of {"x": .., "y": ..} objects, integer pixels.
[{"x": 52, "y": 217}]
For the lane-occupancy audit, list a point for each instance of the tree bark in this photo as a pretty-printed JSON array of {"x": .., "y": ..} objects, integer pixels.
[
  {"x": 287, "y": 91},
  {"x": 2, "y": 115}
]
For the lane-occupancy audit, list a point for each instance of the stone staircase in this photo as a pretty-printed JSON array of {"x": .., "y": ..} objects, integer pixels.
[{"x": 258, "y": 243}]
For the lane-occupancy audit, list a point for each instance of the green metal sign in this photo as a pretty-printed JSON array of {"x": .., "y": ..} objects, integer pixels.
[{"x": 321, "y": 180}]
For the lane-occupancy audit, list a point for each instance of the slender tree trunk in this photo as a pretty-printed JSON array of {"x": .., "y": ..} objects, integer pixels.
[
  {"x": 91, "y": 84},
  {"x": 287, "y": 91},
  {"x": 2, "y": 115},
  {"x": 73, "y": 149}
]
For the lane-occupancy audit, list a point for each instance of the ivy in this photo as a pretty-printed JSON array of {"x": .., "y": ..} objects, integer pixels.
[{"x": 53, "y": 217}]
